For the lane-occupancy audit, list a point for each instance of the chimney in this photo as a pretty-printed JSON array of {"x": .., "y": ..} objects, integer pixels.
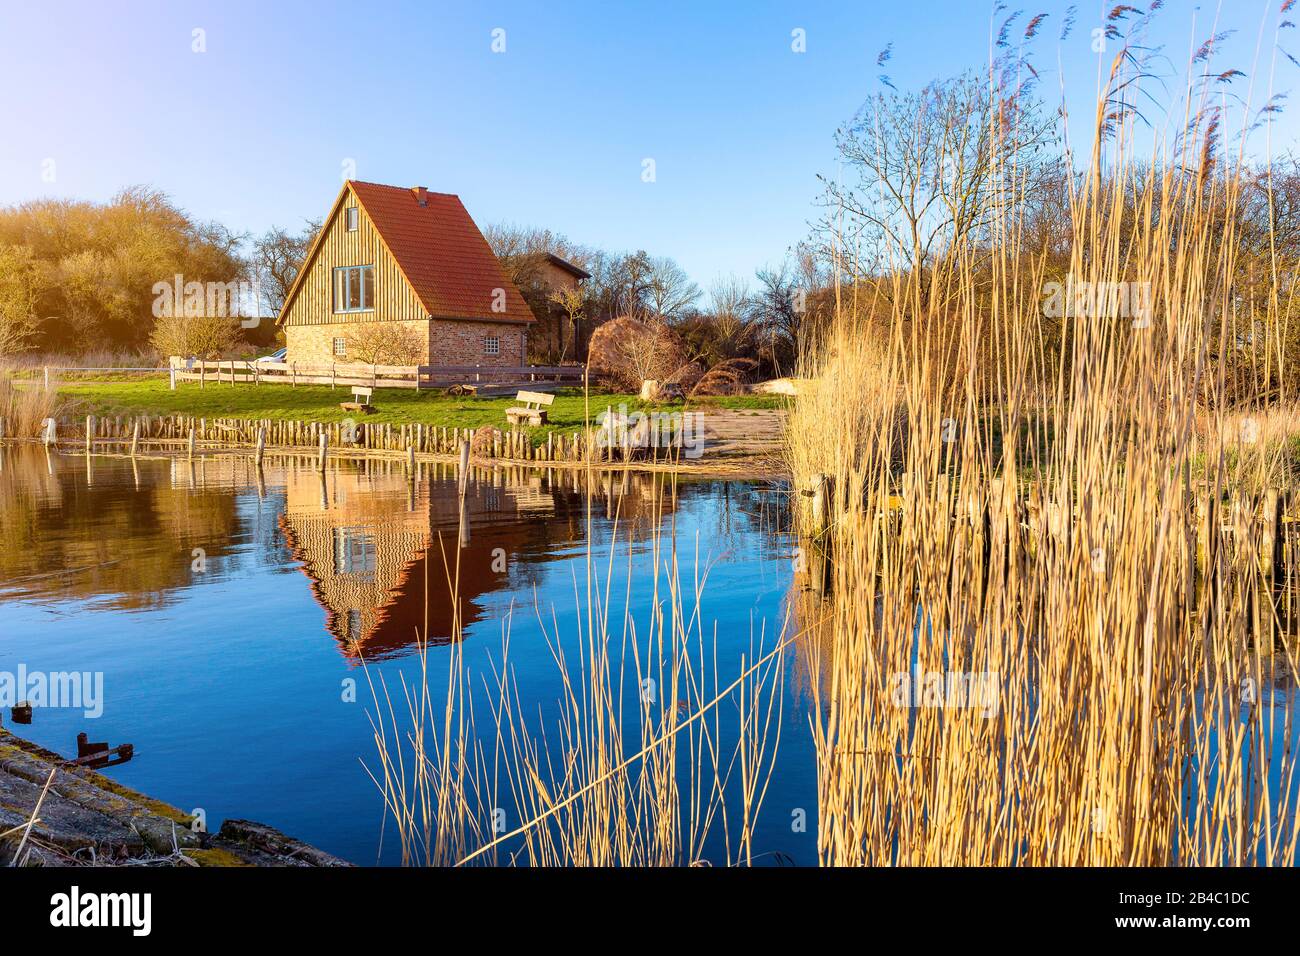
[{"x": 421, "y": 195}]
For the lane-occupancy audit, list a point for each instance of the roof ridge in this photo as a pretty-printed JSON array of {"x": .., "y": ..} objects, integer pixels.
[{"x": 431, "y": 192}]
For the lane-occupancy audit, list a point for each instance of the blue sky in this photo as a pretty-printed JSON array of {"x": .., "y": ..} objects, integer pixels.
[{"x": 551, "y": 132}]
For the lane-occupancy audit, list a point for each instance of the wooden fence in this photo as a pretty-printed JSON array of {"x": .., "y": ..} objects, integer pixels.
[{"x": 241, "y": 371}]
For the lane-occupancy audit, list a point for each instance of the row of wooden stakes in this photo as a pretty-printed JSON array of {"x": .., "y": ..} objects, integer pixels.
[
  {"x": 513, "y": 444},
  {"x": 486, "y": 442}
]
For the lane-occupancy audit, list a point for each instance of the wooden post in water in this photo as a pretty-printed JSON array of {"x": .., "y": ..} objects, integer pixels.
[
  {"x": 609, "y": 432},
  {"x": 410, "y": 460},
  {"x": 135, "y": 437},
  {"x": 191, "y": 443},
  {"x": 324, "y": 443},
  {"x": 1271, "y": 535},
  {"x": 261, "y": 446},
  {"x": 50, "y": 437},
  {"x": 90, "y": 433},
  {"x": 820, "y": 492},
  {"x": 463, "y": 479}
]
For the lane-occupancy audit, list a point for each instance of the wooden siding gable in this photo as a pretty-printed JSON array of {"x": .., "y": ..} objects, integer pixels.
[{"x": 310, "y": 298}]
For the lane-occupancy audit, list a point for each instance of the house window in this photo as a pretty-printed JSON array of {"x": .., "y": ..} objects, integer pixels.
[
  {"x": 354, "y": 288},
  {"x": 492, "y": 345},
  {"x": 350, "y": 218},
  {"x": 355, "y": 553},
  {"x": 340, "y": 348}
]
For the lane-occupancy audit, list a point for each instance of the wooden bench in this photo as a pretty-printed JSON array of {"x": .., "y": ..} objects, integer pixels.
[
  {"x": 360, "y": 400},
  {"x": 533, "y": 409}
]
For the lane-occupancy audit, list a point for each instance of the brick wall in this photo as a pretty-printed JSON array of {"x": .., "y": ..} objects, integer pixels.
[
  {"x": 450, "y": 343},
  {"x": 314, "y": 344},
  {"x": 465, "y": 343}
]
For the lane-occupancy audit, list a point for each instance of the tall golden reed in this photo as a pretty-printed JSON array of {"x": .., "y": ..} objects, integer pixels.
[
  {"x": 1007, "y": 519},
  {"x": 635, "y": 766}
]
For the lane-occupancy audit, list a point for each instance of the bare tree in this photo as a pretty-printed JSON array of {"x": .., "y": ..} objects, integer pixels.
[
  {"x": 669, "y": 291},
  {"x": 777, "y": 313},
  {"x": 386, "y": 343},
  {"x": 928, "y": 169},
  {"x": 572, "y": 300},
  {"x": 198, "y": 336},
  {"x": 731, "y": 304},
  {"x": 277, "y": 257}
]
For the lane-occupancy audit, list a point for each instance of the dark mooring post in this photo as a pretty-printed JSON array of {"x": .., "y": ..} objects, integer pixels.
[
  {"x": 820, "y": 508},
  {"x": 1270, "y": 538}
]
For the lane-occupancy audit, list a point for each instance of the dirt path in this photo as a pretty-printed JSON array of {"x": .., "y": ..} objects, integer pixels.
[{"x": 743, "y": 432}]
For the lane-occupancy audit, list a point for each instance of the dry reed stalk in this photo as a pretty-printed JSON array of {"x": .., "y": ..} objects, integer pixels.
[
  {"x": 24, "y": 407},
  {"x": 999, "y": 512},
  {"x": 634, "y": 768}
]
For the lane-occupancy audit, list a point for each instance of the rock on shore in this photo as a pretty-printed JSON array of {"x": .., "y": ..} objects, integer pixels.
[{"x": 88, "y": 819}]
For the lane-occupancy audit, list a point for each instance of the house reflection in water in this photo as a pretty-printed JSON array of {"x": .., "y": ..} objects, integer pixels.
[{"x": 381, "y": 552}]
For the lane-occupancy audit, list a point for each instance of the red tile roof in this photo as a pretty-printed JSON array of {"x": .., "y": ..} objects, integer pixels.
[{"x": 449, "y": 264}]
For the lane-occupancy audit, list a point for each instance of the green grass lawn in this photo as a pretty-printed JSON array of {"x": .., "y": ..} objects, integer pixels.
[{"x": 321, "y": 403}]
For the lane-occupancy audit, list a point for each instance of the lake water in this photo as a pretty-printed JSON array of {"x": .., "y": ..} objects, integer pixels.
[{"x": 228, "y": 612}]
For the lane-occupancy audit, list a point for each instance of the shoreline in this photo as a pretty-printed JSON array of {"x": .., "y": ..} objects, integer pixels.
[
  {"x": 86, "y": 818},
  {"x": 756, "y": 466}
]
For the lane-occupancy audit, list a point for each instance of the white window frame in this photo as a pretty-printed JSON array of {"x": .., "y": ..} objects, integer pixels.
[
  {"x": 356, "y": 553},
  {"x": 351, "y": 218},
  {"x": 343, "y": 278},
  {"x": 492, "y": 345},
  {"x": 340, "y": 348}
]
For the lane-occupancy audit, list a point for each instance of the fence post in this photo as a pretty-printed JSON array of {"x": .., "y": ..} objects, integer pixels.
[
  {"x": 90, "y": 432},
  {"x": 324, "y": 442},
  {"x": 261, "y": 445},
  {"x": 135, "y": 437},
  {"x": 293, "y": 371}
]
